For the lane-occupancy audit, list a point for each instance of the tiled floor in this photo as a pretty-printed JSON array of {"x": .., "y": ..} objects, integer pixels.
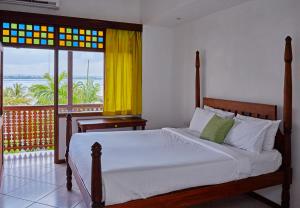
[{"x": 35, "y": 182}]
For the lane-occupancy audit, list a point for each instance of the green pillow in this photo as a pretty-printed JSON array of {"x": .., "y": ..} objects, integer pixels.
[{"x": 217, "y": 129}]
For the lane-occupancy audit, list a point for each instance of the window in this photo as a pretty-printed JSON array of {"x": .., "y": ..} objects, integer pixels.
[{"x": 81, "y": 79}]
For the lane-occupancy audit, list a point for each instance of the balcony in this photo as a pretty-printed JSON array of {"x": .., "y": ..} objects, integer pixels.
[{"x": 31, "y": 128}]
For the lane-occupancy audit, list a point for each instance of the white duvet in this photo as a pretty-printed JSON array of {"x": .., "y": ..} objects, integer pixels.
[{"x": 141, "y": 164}]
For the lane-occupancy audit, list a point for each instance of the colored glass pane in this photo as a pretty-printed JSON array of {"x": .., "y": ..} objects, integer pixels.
[
  {"x": 50, "y": 29},
  {"x": 14, "y": 40},
  {"x": 62, "y": 36},
  {"x": 36, "y": 34},
  {"x": 44, "y": 28},
  {"x": 5, "y": 32},
  {"x": 6, "y": 25},
  {"x": 36, "y": 41},
  {"x": 14, "y": 33},
  {"x": 77, "y": 37},
  {"x": 50, "y": 42},
  {"x": 28, "y": 27},
  {"x": 81, "y": 38},
  {"x": 43, "y": 41},
  {"x": 43, "y": 35},
  {"x": 62, "y": 43},
  {"x": 36, "y": 28},
  {"x": 21, "y": 33},
  {"x": 75, "y": 31},
  {"x": 28, "y": 34},
  {"x": 100, "y": 45},
  {"x": 22, "y": 40},
  {"x": 14, "y": 26},
  {"x": 28, "y": 41},
  {"x": 69, "y": 43},
  {"x": 100, "y": 40},
  {"x": 75, "y": 44},
  {"x": 21, "y": 27},
  {"x": 5, "y": 39},
  {"x": 50, "y": 35}
]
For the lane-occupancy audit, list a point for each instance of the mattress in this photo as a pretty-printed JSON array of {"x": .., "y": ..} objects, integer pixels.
[{"x": 141, "y": 164}]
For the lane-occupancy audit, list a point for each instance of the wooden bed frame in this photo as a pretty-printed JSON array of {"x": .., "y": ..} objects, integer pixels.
[{"x": 199, "y": 195}]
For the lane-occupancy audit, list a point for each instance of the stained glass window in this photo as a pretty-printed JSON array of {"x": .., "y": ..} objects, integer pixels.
[
  {"x": 81, "y": 38},
  {"x": 29, "y": 34}
]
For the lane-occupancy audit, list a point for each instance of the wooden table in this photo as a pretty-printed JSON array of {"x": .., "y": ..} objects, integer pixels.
[{"x": 107, "y": 123}]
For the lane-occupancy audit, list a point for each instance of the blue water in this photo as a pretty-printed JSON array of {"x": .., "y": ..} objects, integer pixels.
[{"x": 28, "y": 82}]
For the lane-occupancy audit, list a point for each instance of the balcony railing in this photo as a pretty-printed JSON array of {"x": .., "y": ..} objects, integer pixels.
[{"x": 30, "y": 128}]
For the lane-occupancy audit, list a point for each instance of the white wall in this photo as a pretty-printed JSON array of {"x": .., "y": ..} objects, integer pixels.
[
  {"x": 114, "y": 10},
  {"x": 242, "y": 59}
]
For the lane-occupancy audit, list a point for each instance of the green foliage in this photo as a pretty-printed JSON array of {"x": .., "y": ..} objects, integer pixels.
[
  {"x": 16, "y": 95},
  {"x": 85, "y": 92},
  {"x": 44, "y": 94}
]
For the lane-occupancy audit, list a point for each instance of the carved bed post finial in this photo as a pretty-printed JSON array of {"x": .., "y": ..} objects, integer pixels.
[
  {"x": 96, "y": 186},
  {"x": 197, "y": 81},
  {"x": 287, "y": 123}
]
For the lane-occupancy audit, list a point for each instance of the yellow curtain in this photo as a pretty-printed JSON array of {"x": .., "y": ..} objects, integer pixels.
[{"x": 123, "y": 73}]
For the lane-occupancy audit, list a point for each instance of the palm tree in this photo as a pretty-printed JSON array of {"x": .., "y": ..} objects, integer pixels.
[
  {"x": 44, "y": 94},
  {"x": 85, "y": 92},
  {"x": 16, "y": 95}
]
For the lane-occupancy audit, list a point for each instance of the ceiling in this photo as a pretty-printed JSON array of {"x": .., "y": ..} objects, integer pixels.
[
  {"x": 172, "y": 12},
  {"x": 151, "y": 12}
]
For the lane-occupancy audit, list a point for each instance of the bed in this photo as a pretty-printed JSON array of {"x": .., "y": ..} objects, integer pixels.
[{"x": 172, "y": 167}]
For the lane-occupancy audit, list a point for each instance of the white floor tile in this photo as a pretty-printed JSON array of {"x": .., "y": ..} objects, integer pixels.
[
  {"x": 11, "y": 202},
  {"x": 33, "y": 191},
  {"x": 62, "y": 198},
  {"x": 10, "y": 183},
  {"x": 80, "y": 205},
  {"x": 37, "y": 205}
]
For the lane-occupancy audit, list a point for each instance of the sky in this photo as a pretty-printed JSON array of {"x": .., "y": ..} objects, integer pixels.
[{"x": 23, "y": 61}]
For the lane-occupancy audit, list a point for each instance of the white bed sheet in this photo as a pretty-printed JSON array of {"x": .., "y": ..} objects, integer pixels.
[{"x": 141, "y": 164}]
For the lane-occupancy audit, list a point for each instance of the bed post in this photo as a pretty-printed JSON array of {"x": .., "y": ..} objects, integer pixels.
[
  {"x": 287, "y": 123},
  {"x": 197, "y": 81},
  {"x": 68, "y": 139},
  {"x": 96, "y": 186}
]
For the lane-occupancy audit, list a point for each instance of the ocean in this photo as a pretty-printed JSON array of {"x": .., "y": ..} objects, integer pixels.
[{"x": 27, "y": 82}]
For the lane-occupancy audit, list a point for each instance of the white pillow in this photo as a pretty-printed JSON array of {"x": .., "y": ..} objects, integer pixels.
[
  {"x": 200, "y": 119},
  {"x": 248, "y": 135},
  {"x": 221, "y": 113},
  {"x": 269, "y": 140}
]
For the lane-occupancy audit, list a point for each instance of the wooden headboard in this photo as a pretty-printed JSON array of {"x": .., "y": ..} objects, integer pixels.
[
  {"x": 283, "y": 139},
  {"x": 256, "y": 110}
]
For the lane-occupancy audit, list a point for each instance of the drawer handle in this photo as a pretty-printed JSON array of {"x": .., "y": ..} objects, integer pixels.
[{"x": 116, "y": 126}]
